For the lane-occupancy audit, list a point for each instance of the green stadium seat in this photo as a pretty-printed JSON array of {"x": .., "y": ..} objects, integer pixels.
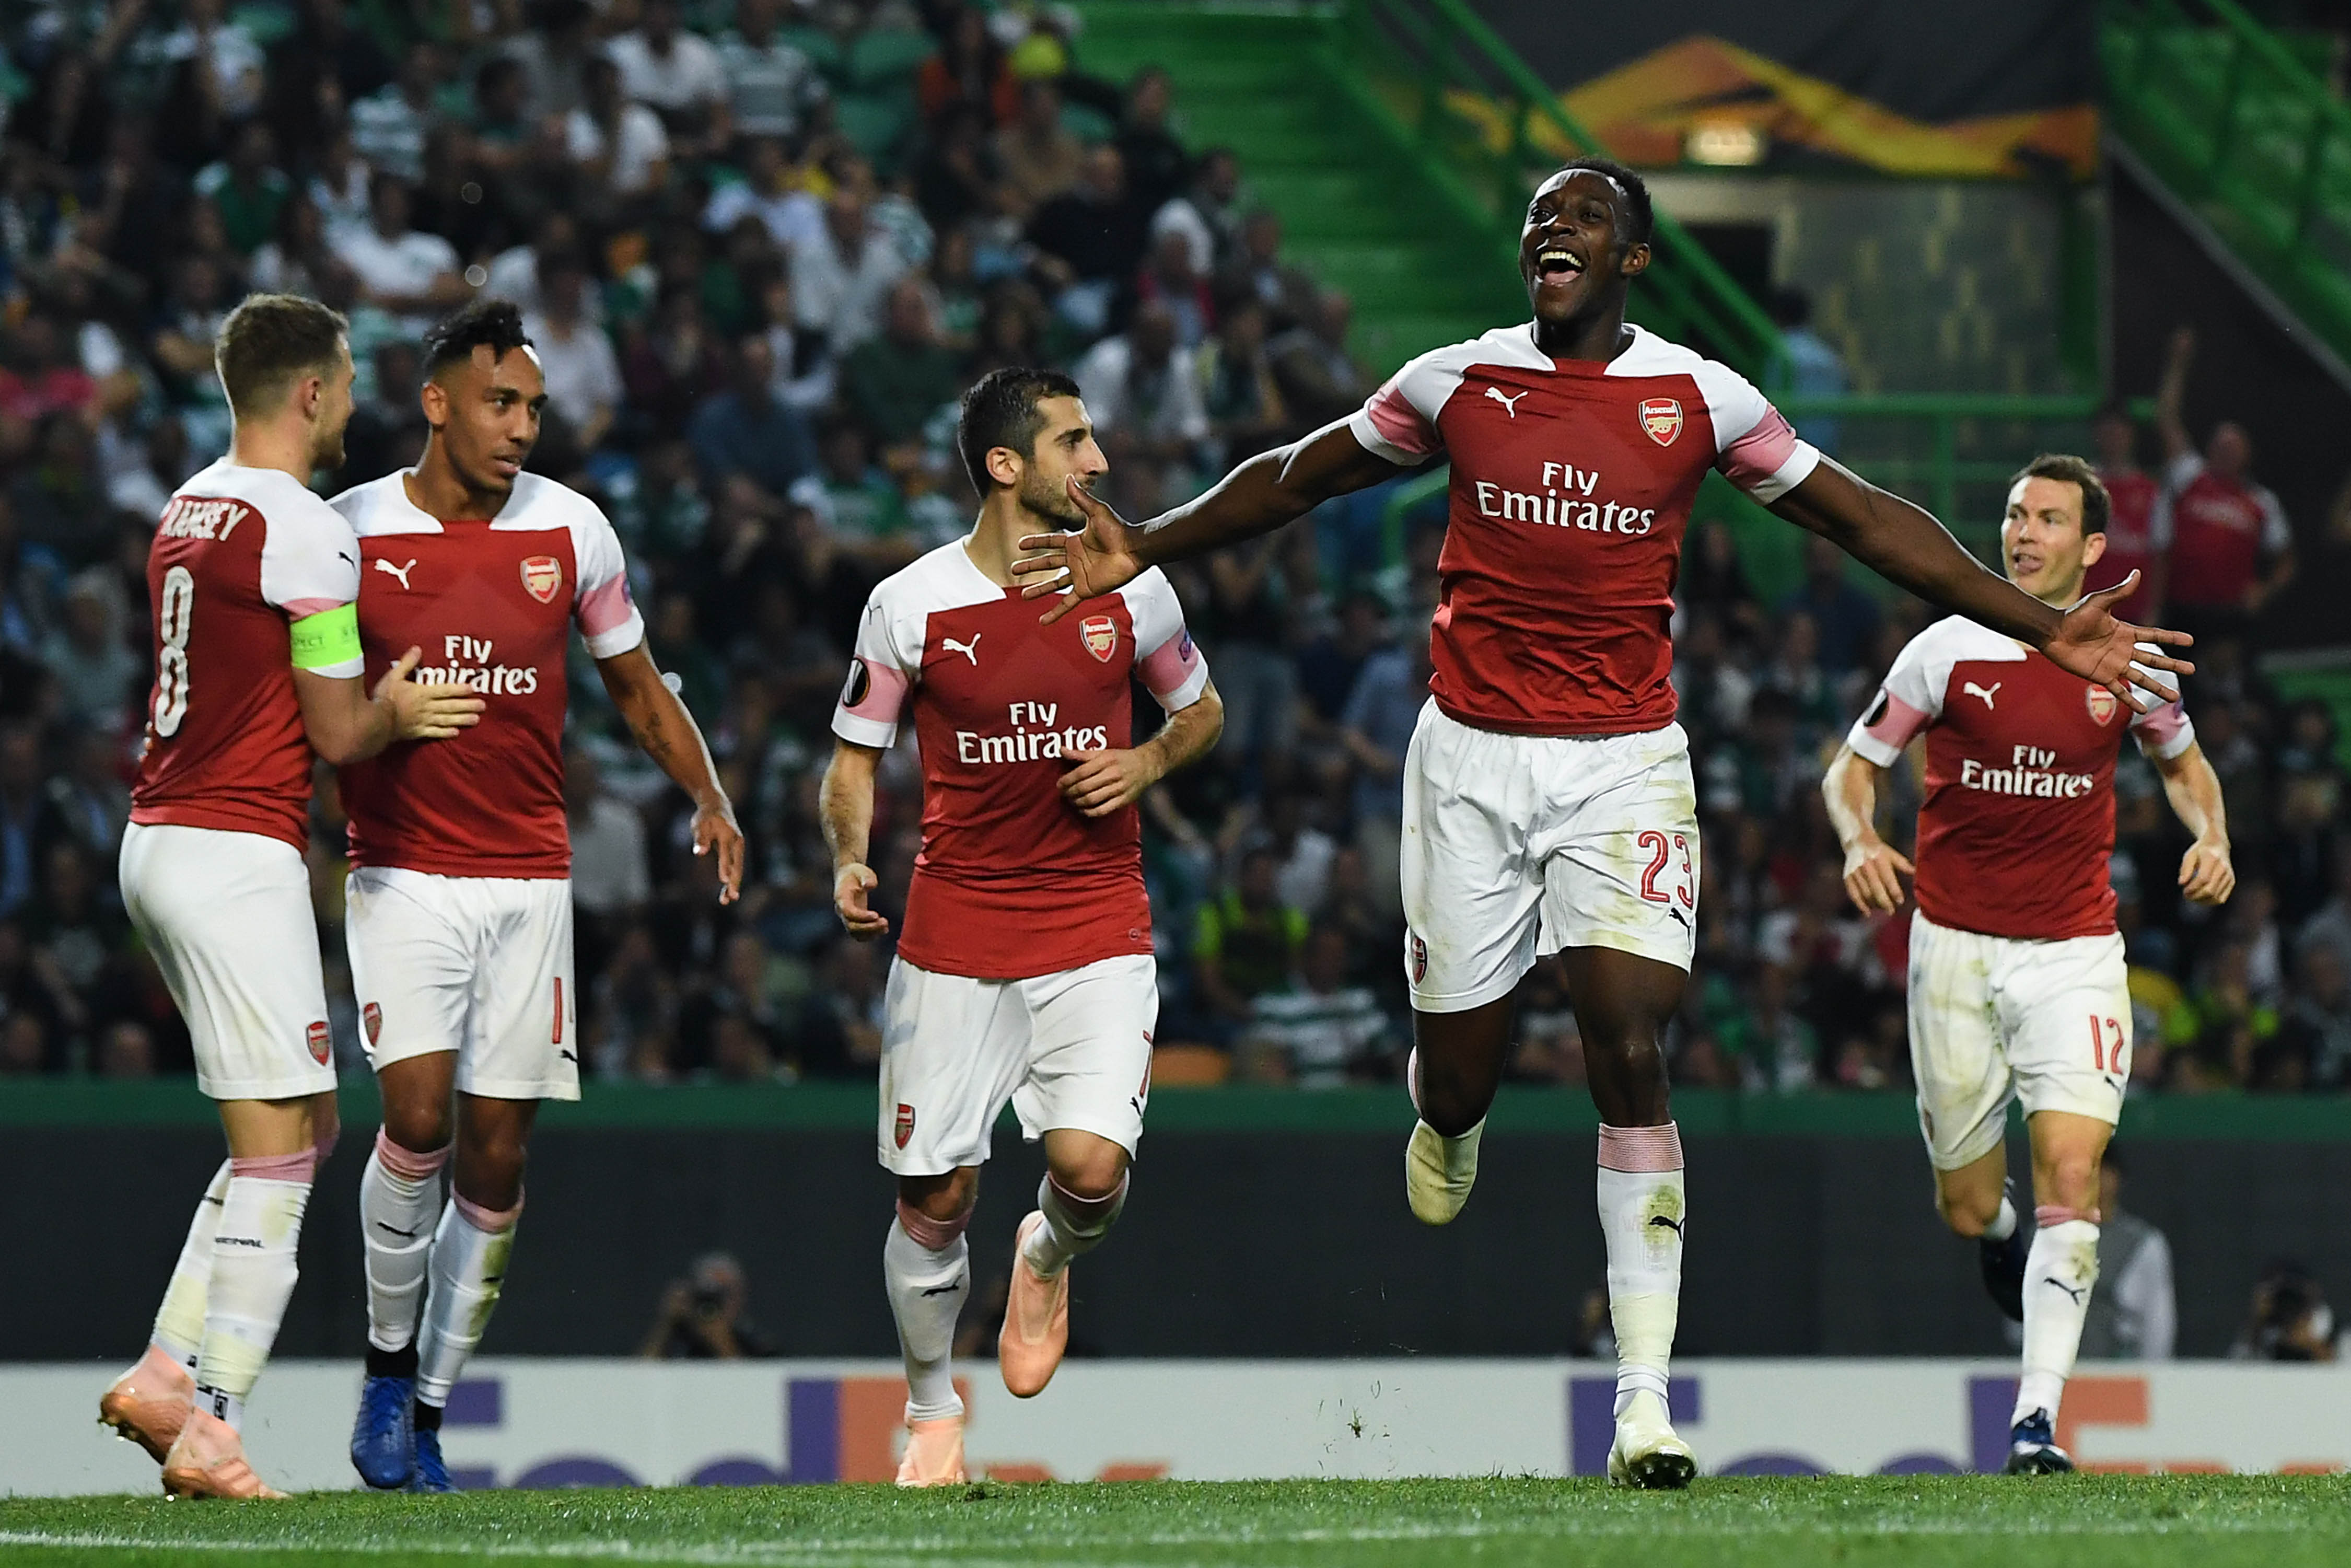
[
  {"x": 879, "y": 60},
  {"x": 877, "y": 123},
  {"x": 822, "y": 48}
]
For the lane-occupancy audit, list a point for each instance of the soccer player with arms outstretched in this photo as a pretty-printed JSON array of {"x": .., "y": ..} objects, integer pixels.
[
  {"x": 1549, "y": 805},
  {"x": 2018, "y": 989},
  {"x": 256, "y": 664},
  {"x": 1025, "y": 971},
  {"x": 459, "y": 900}
]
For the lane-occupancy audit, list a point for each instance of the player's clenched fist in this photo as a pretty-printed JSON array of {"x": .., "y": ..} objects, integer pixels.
[
  {"x": 2206, "y": 876},
  {"x": 1106, "y": 781},
  {"x": 851, "y": 886},
  {"x": 1873, "y": 877}
]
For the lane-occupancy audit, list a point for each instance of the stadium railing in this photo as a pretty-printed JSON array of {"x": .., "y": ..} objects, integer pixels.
[{"x": 2240, "y": 123}]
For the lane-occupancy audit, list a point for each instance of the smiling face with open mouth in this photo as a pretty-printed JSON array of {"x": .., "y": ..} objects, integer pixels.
[{"x": 1573, "y": 253}]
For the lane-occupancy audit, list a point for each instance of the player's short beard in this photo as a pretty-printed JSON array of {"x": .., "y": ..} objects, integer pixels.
[
  {"x": 327, "y": 450},
  {"x": 1050, "y": 499}
]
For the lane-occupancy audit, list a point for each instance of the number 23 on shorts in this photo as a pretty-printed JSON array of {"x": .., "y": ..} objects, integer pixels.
[{"x": 1663, "y": 851}]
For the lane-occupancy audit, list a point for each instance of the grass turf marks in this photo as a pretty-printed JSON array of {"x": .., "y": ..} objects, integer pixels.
[{"x": 2191, "y": 1522}]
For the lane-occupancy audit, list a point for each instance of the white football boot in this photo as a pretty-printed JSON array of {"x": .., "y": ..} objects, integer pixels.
[{"x": 1646, "y": 1454}]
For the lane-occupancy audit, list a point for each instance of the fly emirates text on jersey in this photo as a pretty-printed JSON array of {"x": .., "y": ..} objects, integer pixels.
[
  {"x": 1031, "y": 736},
  {"x": 1565, "y": 503},
  {"x": 2030, "y": 774},
  {"x": 469, "y": 665}
]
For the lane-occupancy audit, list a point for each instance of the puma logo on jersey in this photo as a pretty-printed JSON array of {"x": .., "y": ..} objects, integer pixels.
[
  {"x": 968, "y": 650},
  {"x": 1974, "y": 690},
  {"x": 399, "y": 571},
  {"x": 1511, "y": 404}
]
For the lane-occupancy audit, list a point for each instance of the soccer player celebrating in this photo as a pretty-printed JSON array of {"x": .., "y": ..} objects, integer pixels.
[
  {"x": 1025, "y": 971},
  {"x": 2017, "y": 983},
  {"x": 460, "y": 896},
  {"x": 1549, "y": 805},
  {"x": 256, "y": 664}
]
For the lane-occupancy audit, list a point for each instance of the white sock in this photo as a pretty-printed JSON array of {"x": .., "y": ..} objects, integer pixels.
[
  {"x": 400, "y": 1199},
  {"x": 928, "y": 1287},
  {"x": 179, "y": 1320},
  {"x": 468, "y": 1267},
  {"x": 252, "y": 1274},
  {"x": 2059, "y": 1272},
  {"x": 1642, "y": 1205},
  {"x": 1072, "y": 1226},
  {"x": 2004, "y": 1224}
]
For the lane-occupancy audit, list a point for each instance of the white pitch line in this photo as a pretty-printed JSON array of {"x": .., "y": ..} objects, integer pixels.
[{"x": 748, "y": 1556}]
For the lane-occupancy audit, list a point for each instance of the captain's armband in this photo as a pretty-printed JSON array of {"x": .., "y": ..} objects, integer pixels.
[{"x": 329, "y": 638}]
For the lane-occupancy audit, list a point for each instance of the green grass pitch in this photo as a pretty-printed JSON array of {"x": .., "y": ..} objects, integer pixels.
[{"x": 2206, "y": 1521}]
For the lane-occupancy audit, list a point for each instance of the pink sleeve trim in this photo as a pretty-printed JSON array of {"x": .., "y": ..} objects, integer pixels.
[
  {"x": 2165, "y": 731},
  {"x": 300, "y": 609},
  {"x": 1167, "y": 667},
  {"x": 1399, "y": 423},
  {"x": 606, "y": 607},
  {"x": 1641, "y": 1150},
  {"x": 1754, "y": 459},
  {"x": 885, "y": 693},
  {"x": 1900, "y": 725}
]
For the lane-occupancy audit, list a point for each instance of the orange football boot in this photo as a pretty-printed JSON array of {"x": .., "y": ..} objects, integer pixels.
[
  {"x": 1036, "y": 1321},
  {"x": 208, "y": 1460},
  {"x": 149, "y": 1404},
  {"x": 934, "y": 1453}
]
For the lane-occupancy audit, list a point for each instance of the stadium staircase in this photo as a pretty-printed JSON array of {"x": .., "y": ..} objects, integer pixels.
[
  {"x": 1399, "y": 139},
  {"x": 2241, "y": 124}
]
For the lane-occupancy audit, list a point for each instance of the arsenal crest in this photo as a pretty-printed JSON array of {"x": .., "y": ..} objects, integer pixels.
[
  {"x": 2102, "y": 704},
  {"x": 372, "y": 1020},
  {"x": 1101, "y": 634},
  {"x": 904, "y": 1128},
  {"x": 1661, "y": 419},
  {"x": 542, "y": 578},
  {"x": 321, "y": 1043}
]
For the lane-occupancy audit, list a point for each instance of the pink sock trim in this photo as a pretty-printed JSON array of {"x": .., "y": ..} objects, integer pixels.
[
  {"x": 1088, "y": 1208},
  {"x": 488, "y": 1221},
  {"x": 301, "y": 1167},
  {"x": 408, "y": 1163},
  {"x": 2050, "y": 1214},
  {"x": 1641, "y": 1149},
  {"x": 931, "y": 1235}
]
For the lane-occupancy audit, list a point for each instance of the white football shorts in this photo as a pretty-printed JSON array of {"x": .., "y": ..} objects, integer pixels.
[
  {"x": 1516, "y": 846},
  {"x": 1995, "y": 1019},
  {"x": 229, "y": 918},
  {"x": 1068, "y": 1050},
  {"x": 477, "y": 964}
]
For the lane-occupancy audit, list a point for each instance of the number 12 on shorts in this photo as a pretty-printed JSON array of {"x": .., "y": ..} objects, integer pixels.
[
  {"x": 2107, "y": 1046},
  {"x": 1662, "y": 850}
]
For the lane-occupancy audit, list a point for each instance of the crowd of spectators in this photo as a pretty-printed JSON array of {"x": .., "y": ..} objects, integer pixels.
[{"x": 763, "y": 245}]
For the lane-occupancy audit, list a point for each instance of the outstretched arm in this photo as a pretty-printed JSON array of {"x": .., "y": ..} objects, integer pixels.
[
  {"x": 2171, "y": 396},
  {"x": 671, "y": 737},
  {"x": 1910, "y": 548},
  {"x": 846, "y": 807},
  {"x": 2206, "y": 876},
  {"x": 346, "y": 725},
  {"x": 1261, "y": 494},
  {"x": 1871, "y": 864}
]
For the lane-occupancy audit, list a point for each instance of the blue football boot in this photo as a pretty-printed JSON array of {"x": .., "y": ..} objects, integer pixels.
[
  {"x": 383, "y": 1441},
  {"x": 431, "y": 1475},
  {"x": 2033, "y": 1449}
]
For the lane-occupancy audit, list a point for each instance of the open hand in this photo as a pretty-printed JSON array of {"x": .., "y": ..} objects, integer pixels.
[
  {"x": 434, "y": 711},
  {"x": 1873, "y": 877},
  {"x": 2091, "y": 644},
  {"x": 1080, "y": 565},
  {"x": 852, "y": 887},
  {"x": 714, "y": 827}
]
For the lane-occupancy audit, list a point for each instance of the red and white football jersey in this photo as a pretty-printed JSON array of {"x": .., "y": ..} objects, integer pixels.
[
  {"x": 2221, "y": 528},
  {"x": 492, "y": 604},
  {"x": 1571, "y": 487},
  {"x": 1011, "y": 882},
  {"x": 2138, "y": 534},
  {"x": 2019, "y": 818},
  {"x": 239, "y": 555}
]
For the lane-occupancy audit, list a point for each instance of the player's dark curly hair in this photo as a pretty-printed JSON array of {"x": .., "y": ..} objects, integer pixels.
[
  {"x": 483, "y": 320},
  {"x": 2096, "y": 504},
  {"x": 1642, "y": 217},
  {"x": 1000, "y": 410}
]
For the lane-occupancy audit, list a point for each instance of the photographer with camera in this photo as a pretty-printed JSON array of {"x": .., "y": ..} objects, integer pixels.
[{"x": 705, "y": 1316}]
